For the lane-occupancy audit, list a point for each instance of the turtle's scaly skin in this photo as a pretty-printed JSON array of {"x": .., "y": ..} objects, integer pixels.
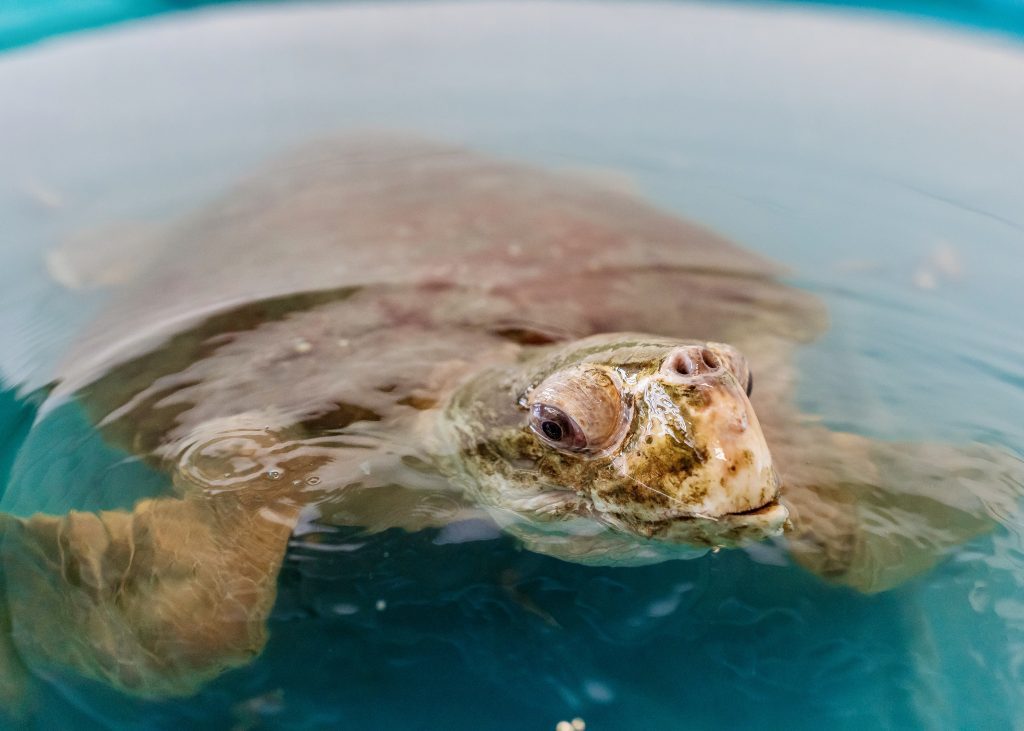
[
  {"x": 344, "y": 331},
  {"x": 684, "y": 461}
]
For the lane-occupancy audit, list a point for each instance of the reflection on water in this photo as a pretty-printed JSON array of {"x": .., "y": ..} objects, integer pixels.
[{"x": 244, "y": 401}]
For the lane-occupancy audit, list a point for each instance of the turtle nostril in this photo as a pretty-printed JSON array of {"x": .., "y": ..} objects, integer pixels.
[
  {"x": 710, "y": 359},
  {"x": 693, "y": 361},
  {"x": 683, "y": 364}
]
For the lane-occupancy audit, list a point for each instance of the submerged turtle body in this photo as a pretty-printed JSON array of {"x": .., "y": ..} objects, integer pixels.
[
  {"x": 580, "y": 258},
  {"x": 390, "y": 244},
  {"x": 338, "y": 290},
  {"x": 393, "y": 334}
]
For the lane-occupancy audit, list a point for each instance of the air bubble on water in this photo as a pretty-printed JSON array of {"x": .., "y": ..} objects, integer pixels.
[
  {"x": 313, "y": 481},
  {"x": 274, "y": 474}
]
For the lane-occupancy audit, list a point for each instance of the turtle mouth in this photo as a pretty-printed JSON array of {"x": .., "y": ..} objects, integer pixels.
[
  {"x": 682, "y": 515},
  {"x": 728, "y": 529},
  {"x": 764, "y": 509}
]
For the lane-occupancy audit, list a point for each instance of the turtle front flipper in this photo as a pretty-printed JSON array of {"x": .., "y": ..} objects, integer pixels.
[
  {"x": 159, "y": 599},
  {"x": 154, "y": 601},
  {"x": 872, "y": 514}
]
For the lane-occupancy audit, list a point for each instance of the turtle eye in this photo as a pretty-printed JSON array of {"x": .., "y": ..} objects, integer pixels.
[{"x": 557, "y": 428}]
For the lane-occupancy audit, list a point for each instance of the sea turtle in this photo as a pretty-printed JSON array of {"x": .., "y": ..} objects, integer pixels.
[{"x": 385, "y": 333}]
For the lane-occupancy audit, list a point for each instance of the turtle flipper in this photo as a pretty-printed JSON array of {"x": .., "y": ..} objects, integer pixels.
[
  {"x": 872, "y": 515},
  {"x": 159, "y": 599},
  {"x": 154, "y": 601},
  {"x": 15, "y": 697}
]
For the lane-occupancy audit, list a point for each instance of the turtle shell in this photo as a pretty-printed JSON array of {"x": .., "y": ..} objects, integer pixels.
[{"x": 371, "y": 234}]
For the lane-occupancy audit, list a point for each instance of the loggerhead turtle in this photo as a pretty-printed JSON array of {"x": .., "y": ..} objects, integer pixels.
[{"x": 386, "y": 333}]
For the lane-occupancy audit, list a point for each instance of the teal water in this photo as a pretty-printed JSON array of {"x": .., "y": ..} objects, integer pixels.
[
  {"x": 883, "y": 162},
  {"x": 30, "y": 21}
]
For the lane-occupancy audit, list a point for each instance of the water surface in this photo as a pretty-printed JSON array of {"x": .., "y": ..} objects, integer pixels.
[{"x": 882, "y": 162}]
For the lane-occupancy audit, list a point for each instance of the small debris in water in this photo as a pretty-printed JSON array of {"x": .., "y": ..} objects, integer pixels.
[
  {"x": 947, "y": 261},
  {"x": 924, "y": 279},
  {"x": 598, "y": 691},
  {"x": 943, "y": 264},
  {"x": 251, "y": 713},
  {"x": 381, "y": 605},
  {"x": 577, "y": 724},
  {"x": 302, "y": 346},
  {"x": 43, "y": 195}
]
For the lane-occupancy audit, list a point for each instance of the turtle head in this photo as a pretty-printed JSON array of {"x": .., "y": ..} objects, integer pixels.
[{"x": 644, "y": 438}]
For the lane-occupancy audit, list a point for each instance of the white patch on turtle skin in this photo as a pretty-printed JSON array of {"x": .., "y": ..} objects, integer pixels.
[{"x": 735, "y": 476}]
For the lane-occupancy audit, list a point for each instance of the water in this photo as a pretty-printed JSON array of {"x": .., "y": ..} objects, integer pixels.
[
  {"x": 880, "y": 161},
  {"x": 29, "y": 21}
]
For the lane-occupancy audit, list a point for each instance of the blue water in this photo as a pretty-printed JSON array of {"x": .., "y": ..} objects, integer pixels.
[
  {"x": 881, "y": 160},
  {"x": 29, "y": 21}
]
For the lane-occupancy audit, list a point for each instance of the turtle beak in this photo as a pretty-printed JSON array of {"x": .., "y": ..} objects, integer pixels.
[{"x": 731, "y": 529}]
